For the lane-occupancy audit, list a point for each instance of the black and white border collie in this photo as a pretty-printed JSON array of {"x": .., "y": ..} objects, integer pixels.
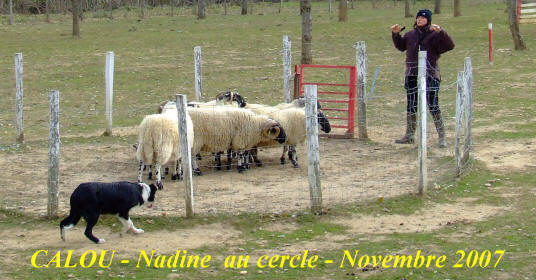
[{"x": 89, "y": 200}]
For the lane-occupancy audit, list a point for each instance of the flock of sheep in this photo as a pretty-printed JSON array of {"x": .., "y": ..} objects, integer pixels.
[{"x": 227, "y": 124}]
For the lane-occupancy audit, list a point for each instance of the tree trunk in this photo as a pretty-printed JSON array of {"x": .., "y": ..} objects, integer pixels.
[
  {"x": 76, "y": 27},
  {"x": 437, "y": 7},
  {"x": 374, "y": 4},
  {"x": 457, "y": 9},
  {"x": 142, "y": 8},
  {"x": 110, "y": 2},
  {"x": 10, "y": 12},
  {"x": 407, "y": 13},
  {"x": 307, "y": 32},
  {"x": 343, "y": 10},
  {"x": 244, "y": 7},
  {"x": 46, "y": 10},
  {"x": 519, "y": 43},
  {"x": 200, "y": 9}
]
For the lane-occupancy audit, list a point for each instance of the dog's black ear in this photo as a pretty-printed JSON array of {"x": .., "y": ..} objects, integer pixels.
[{"x": 153, "y": 188}]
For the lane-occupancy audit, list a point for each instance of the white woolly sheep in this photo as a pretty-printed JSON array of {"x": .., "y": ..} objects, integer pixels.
[
  {"x": 158, "y": 141},
  {"x": 221, "y": 128}
]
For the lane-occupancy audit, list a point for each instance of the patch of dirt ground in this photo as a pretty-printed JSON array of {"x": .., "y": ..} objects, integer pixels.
[{"x": 427, "y": 219}]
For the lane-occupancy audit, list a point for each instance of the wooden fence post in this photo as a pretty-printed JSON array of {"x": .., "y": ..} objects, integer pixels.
[
  {"x": 313, "y": 156},
  {"x": 186, "y": 154},
  {"x": 468, "y": 102},
  {"x": 287, "y": 69},
  {"x": 198, "y": 74},
  {"x": 109, "y": 81},
  {"x": 422, "y": 113},
  {"x": 53, "y": 154},
  {"x": 19, "y": 108},
  {"x": 361, "y": 59},
  {"x": 459, "y": 116}
]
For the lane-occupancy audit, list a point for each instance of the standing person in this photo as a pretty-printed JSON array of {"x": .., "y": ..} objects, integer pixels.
[{"x": 428, "y": 37}]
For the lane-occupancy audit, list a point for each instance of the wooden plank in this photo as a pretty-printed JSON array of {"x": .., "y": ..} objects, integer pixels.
[
  {"x": 527, "y": 11},
  {"x": 361, "y": 60},
  {"x": 287, "y": 69},
  {"x": 19, "y": 110},
  {"x": 313, "y": 156},
  {"x": 531, "y": 20},
  {"x": 459, "y": 115},
  {"x": 186, "y": 154},
  {"x": 198, "y": 72},
  {"x": 53, "y": 154},
  {"x": 528, "y": 16},
  {"x": 528, "y": 5}
]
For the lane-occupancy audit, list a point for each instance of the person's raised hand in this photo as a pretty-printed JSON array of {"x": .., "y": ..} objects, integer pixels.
[
  {"x": 435, "y": 27},
  {"x": 396, "y": 28}
]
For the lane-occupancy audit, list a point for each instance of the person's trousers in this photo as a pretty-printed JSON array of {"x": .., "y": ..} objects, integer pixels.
[{"x": 432, "y": 94}]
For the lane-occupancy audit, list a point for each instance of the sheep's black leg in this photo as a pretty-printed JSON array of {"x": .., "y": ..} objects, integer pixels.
[
  {"x": 150, "y": 175},
  {"x": 229, "y": 159},
  {"x": 176, "y": 175},
  {"x": 197, "y": 171},
  {"x": 140, "y": 170},
  {"x": 282, "y": 159},
  {"x": 254, "y": 151},
  {"x": 217, "y": 157},
  {"x": 240, "y": 166},
  {"x": 293, "y": 156},
  {"x": 198, "y": 156},
  {"x": 158, "y": 177}
]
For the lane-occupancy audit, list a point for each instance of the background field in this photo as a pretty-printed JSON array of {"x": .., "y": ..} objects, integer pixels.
[{"x": 264, "y": 211}]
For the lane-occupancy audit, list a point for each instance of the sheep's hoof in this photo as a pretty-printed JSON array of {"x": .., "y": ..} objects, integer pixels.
[
  {"x": 160, "y": 185},
  {"x": 198, "y": 172},
  {"x": 174, "y": 177},
  {"x": 198, "y": 157},
  {"x": 240, "y": 170},
  {"x": 167, "y": 171},
  {"x": 218, "y": 167},
  {"x": 259, "y": 163},
  {"x": 150, "y": 176},
  {"x": 295, "y": 164},
  {"x": 228, "y": 167},
  {"x": 282, "y": 160}
]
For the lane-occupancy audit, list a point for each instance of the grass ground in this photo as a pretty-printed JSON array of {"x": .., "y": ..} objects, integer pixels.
[{"x": 154, "y": 60}]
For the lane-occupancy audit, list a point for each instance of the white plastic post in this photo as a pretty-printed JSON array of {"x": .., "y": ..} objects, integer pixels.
[
  {"x": 109, "y": 81},
  {"x": 490, "y": 36},
  {"x": 19, "y": 111},
  {"x": 313, "y": 156},
  {"x": 459, "y": 116},
  {"x": 186, "y": 154},
  {"x": 361, "y": 61},
  {"x": 53, "y": 154},
  {"x": 421, "y": 84},
  {"x": 287, "y": 69},
  {"x": 198, "y": 74}
]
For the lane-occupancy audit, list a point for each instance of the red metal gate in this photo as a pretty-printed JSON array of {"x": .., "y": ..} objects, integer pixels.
[{"x": 341, "y": 97}]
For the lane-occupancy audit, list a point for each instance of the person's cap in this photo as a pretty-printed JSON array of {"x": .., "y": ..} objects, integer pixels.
[{"x": 425, "y": 13}]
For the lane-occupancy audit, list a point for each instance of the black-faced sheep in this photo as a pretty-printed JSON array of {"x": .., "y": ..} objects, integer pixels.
[{"x": 221, "y": 128}]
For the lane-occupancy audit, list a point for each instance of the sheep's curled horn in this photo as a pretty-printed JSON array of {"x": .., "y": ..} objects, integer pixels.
[{"x": 271, "y": 124}]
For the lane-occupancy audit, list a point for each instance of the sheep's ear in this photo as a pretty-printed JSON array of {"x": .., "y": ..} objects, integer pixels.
[{"x": 273, "y": 132}]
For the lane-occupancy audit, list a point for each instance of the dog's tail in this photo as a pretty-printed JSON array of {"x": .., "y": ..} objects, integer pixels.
[{"x": 69, "y": 222}]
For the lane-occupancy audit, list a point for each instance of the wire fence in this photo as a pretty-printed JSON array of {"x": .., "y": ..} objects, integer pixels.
[{"x": 351, "y": 171}]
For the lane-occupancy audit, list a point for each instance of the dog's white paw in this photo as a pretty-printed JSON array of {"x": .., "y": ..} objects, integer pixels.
[
  {"x": 101, "y": 241},
  {"x": 138, "y": 231}
]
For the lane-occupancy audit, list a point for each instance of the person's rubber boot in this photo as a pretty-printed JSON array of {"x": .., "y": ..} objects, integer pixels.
[
  {"x": 438, "y": 121},
  {"x": 411, "y": 123}
]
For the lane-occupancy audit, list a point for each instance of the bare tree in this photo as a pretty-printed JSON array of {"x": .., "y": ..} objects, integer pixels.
[
  {"x": 46, "y": 10},
  {"x": 307, "y": 32},
  {"x": 374, "y": 4},
  {"x": 343, "y": 10},
  {"x": 519, "y": 43},
  {"x": 200, "y": 9},
  {"x": 244, "y": 7},
  {"x": 10, "y": 12},
  {"x": 407, "y": 13},
  {"x": 457, "y": 8},
  {"x": 142, "y": 8},
  {"x": 437, "y": 7},
  {"x": 76, "y": 27}
]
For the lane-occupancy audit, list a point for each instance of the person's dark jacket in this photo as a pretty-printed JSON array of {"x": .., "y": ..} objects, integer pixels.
[{"x": 424, "y": 39}]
